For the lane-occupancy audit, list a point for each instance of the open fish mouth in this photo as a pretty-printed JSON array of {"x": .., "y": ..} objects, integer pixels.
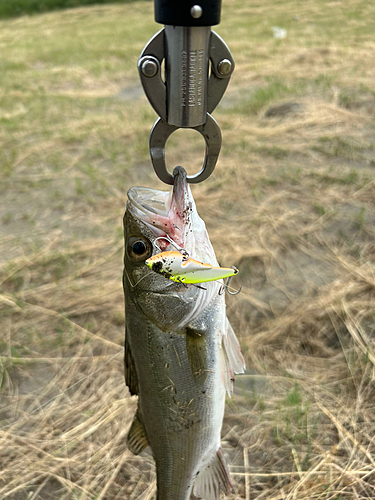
[
  {"x": 166, "y": 214},
  {"x": 173, "y": 216},
  {"x": 175, "y": 204},
  {"x": 152, "y": 207}
]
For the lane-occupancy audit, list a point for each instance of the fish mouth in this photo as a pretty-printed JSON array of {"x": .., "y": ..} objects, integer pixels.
[
  {"x": 166, "y": 214},
  {"x": 161, "y": 203}
]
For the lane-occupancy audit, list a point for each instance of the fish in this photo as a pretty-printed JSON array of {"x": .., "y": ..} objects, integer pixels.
[{"x": 181, "y": 352}]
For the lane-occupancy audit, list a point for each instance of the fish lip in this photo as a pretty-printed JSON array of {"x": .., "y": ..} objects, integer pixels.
[
  {"x": 167, "y": 292},
  {"x": 174, "y": 288}
]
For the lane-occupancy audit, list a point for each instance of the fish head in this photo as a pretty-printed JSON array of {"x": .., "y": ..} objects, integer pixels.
[{"x": 157, "y": 221}]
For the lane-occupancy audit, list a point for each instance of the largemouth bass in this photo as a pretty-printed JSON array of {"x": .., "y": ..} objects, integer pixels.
[{"x": 180, "y": 350}]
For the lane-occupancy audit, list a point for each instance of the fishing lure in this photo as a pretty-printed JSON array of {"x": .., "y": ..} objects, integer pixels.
[{"x": 181, "y": 268}]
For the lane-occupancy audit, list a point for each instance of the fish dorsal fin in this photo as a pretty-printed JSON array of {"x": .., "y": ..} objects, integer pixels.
[
  {"x": 137, "y": 440},
  {"x": 130, "y": 373},
  {"x": 233, "y": 349},
  {"x": 213, "y": 478}
]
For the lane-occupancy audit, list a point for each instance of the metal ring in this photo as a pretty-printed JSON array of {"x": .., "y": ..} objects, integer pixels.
[{"x": 159, "y": 136}]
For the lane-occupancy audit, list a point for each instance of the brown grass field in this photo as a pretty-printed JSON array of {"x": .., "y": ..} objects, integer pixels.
[{"x": 291, "y": 204}]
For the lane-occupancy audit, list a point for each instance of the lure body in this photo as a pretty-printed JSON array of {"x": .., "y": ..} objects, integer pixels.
[{"x": 177, "y": 267}]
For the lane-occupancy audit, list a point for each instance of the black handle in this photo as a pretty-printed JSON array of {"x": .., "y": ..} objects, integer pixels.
[{"x": 187, "y": 12}]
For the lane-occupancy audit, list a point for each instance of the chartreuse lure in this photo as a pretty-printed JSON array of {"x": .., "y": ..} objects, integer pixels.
[{"x": 179, "y": 267}]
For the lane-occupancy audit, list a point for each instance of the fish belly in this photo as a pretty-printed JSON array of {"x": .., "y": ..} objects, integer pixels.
[{"x": 181, "y": 399}]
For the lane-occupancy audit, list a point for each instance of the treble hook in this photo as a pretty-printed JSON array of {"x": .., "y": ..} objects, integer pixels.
[{"x": 225, "y": 287}]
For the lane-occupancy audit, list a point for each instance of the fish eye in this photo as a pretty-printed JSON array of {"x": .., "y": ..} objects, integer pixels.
[{"x": 139, "y": 249}]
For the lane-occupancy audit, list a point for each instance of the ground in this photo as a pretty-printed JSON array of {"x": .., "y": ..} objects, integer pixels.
[{"x": 291, "y": 204}]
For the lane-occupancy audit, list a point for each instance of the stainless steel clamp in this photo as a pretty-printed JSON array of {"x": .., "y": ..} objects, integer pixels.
[{"x": 197, "y": 69}]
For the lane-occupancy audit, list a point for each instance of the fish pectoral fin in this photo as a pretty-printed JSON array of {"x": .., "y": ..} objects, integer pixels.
[
  {"x": 213, "y": 478},
  {"x": 130, "y": 373},
  {"x": 233, "y": 349},
  {"x": 137, "y": 440}
]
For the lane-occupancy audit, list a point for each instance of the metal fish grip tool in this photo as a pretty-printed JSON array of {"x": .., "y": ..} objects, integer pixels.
[{"x": 197, "y": 69}]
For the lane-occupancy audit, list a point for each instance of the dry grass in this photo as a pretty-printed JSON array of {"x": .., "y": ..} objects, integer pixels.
[{"x": 291, "y": 204}]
